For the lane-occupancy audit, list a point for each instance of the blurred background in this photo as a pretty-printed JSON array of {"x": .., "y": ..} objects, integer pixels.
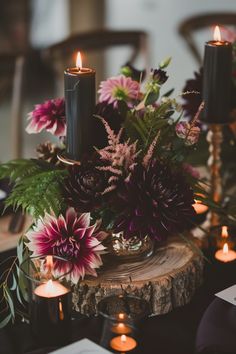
[{"x": 38, "y": 39}]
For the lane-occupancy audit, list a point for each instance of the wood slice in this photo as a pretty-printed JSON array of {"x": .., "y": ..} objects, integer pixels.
[{"x": 168, "y": 279}]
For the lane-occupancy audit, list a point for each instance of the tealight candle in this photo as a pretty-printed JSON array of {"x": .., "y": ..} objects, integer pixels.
[
  {"x": 49, "y": 299},
  {"x": 51, "y": 289},
  {"x": 123, "y": 343},
  {"x": 121, "y": 328},
  {"x": 225, "y": 255}
]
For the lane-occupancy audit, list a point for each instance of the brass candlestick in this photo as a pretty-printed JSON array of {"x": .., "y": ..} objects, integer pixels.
[{"x": 215, "y": 139}]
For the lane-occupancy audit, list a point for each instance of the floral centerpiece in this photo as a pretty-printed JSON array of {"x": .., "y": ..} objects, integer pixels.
[{"x": 135, "y": 182}]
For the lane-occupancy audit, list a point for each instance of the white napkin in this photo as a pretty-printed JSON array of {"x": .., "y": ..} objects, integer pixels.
[
  {"x": 84, "y": 346},
  {"x": 228, "y": 295}
]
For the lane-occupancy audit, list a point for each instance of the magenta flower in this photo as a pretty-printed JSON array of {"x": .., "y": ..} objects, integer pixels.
[
  {"x": 190, "y": 133},
  {"x": 70, "y": 237},
  {"x": 119, "y": 88},
  {"x": 50, "y": 116}
]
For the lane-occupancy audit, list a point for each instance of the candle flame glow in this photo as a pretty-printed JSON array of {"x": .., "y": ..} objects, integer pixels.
[
  {"x": 226, "y": 248},
  {"x": 78, "y": 61},
  {"x": 217, "y": 34},
  {"x": 121, "y": 316},
  {"x": 49, "y": 286},
  {"x": 123, "y": 338},
  {"x": 49, "y": 262},
  {"x": 224, "y": 232}
]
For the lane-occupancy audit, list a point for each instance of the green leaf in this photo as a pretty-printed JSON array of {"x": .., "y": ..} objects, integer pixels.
[
  {"x": 9, "y": 299},
  {"x": 5, "y": 321},
  {"x": 151, "y": 98},
  {"x": 20, "y": 248},
  {"x": 164, "y": 63},
  {"x": 14, "y": 283},
  {"x": 19, "y": 296},
  {"x": 39, "y": 193}
]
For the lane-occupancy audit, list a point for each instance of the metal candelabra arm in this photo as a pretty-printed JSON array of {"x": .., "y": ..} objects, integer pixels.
[{"x": 215, "y": 139}]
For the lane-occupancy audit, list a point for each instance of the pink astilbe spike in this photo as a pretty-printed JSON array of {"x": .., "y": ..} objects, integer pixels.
[
  {"x": 147, "y": 158},
  {"x": 119, "y": 157}
]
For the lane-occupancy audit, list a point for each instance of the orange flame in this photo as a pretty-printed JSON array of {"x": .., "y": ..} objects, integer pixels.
[
  {"x": 226, "y": 248},
  {"x": 217, "y": 34},
  {"x": 78, "y": 61},
  {"x": 123, "y": 338},
  {"x": 224, "y": 232}
]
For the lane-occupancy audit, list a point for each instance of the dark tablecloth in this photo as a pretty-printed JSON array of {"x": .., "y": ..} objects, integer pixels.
[{"x": 173, "y": 333}]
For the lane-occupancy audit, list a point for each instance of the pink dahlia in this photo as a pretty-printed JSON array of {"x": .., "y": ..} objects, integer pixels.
[
  {"x": 190, "y": 133},
  {"x": 71, "y": 237},
  {"x": 50, "y": 116},
  {"x": 119, "y": 88}
]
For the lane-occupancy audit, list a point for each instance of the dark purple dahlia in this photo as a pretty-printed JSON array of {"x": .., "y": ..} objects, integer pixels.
[
  {"x": 160, "y": 76},
  {"x": 84, "y": 186},
  {"x": 155, "y": 201}
]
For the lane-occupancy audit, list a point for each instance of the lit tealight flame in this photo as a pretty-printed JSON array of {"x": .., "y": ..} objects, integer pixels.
[
  {"x": 121, "y": 316},
  {"x": 226, "y": 248},
  {"x": 123, "y": 338},
  {"x": 217, "y": 34},
  {"x": 224, "y": 232},
  {"x": 78, "y": 61}
]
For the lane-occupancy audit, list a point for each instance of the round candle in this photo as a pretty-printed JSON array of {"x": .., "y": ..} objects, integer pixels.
[
  {"x": 123, "y": 343},
  {"x": 121, "y": 328},
  {"x": 225, "y": 255},
  {"x": 217, "y": 70},
  {"x": 51, "y": 289}
]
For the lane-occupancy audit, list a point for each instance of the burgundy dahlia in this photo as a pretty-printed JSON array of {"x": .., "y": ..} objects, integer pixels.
[
  {"x": 50, "y": 116},
  {"x": 71, "y": 237},
  {"x": 160, "y": 76},
  {"x": 84, "y": 186},
  {"x": 155, "y": 201}
]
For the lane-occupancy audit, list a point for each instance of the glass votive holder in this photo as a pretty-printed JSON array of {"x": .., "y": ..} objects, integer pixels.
[
  {"x": 50, "y": 301},
  {"x": 122, "y": 317}
]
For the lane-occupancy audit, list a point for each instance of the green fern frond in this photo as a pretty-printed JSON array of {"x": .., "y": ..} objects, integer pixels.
[
  {"x": 18, "y": 169},
  {"x": 38, "y": 193}
]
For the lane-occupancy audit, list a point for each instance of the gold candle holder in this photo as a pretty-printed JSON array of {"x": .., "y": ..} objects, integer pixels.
[{"x": 215, "y": 139}]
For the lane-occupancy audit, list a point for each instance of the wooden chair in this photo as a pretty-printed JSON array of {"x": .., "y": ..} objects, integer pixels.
[
  {"x": 95, "y": 41},
  {"x": 189, "y": 26}
]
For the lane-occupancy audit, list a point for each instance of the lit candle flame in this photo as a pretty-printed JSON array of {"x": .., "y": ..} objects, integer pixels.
[
  {"x": 78, "y": 61},
  {"x": 224, "y": 232},
  {"x": 123, "y": 338},
  {"x": 226, "y": 248},
  {"x": 217, "y": 34},
  {"x": 121, "y": 316}
]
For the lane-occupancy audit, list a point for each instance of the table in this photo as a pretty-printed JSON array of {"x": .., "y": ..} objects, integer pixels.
[{"x": 173, "y": 333}]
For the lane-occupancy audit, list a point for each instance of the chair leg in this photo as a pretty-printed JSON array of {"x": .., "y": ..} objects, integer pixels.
[{"x": 17, "y": 109}]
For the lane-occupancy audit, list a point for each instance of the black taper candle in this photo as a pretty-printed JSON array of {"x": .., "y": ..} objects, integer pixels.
[
  {"x": 80, "y": 106},
  {"x": 217, "y": 82}
]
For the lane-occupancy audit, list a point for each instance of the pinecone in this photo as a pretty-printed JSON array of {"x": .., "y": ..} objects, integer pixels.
[
  {"x": 84, "y": 186},
  {"x": 155, "y": 201},
  {"x": 48, "y": 152}
]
